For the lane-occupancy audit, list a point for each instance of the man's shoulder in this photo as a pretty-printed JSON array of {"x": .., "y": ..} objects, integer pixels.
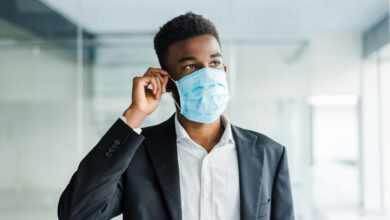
[{"x": 269, "y": 144}]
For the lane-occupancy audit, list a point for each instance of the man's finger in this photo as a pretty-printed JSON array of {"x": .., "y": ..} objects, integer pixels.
[
  {"x": 158, "y": 86},
  {"x": 161, "y": 71},
  {"x": 154, "y": 85},
  {"x": 151, "y": 71},
  {"x": 163, "y": 84}
]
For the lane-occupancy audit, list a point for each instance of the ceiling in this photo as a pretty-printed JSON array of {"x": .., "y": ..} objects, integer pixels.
[{"x": 235, "y": 19}]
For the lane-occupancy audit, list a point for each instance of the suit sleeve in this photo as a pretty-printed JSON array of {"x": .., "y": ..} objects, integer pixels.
[
  {"x": 282, "y": 202},
  {"x": 95, "y": 189}
]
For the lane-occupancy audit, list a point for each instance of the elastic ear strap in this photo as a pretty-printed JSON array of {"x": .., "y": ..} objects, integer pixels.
[
  {"x": 175, "y": 101},
  {"x": 172, "y": 79}
]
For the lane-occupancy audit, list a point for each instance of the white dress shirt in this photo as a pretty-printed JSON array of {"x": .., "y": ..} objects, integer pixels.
[{"x": 209, "y": 182}]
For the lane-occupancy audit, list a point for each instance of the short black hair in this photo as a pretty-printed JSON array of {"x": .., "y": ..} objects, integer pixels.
[{"x": 180, "y": 28}]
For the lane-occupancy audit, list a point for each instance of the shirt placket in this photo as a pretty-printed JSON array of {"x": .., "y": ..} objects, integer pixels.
[{"x": 206, "y": 189}]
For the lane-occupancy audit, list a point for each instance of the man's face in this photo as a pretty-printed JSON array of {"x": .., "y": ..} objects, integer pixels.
[{"x": 191, "y": 54}]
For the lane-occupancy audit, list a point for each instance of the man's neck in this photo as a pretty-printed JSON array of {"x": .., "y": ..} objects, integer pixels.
[{"x": 206, "y": 135}]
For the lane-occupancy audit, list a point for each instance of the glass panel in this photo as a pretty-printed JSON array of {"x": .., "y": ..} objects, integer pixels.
[{"x": 38, "y": 152}]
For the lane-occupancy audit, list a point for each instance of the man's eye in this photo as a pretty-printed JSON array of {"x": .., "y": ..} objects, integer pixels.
[
  {"x": 216, "y": 63},
  {"x": 189, "y": 67}
]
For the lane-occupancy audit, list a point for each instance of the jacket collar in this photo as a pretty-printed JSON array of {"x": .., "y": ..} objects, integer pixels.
[{"x": 227, "y": 135}]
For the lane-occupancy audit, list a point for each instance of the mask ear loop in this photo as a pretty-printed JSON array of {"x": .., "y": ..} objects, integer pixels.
[{"x": 177, "y": 91}]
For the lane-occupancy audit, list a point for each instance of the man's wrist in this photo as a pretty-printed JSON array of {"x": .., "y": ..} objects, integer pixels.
[
  {"x": 134, "y": 117},
  {"x": 137, "y": 130}
]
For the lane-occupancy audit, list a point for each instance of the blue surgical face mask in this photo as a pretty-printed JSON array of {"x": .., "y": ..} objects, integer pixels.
[{"x": 203, "y": 95}]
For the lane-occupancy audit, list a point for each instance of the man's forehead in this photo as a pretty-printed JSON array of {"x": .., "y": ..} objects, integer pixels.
[{"x": 204, "y": 45}]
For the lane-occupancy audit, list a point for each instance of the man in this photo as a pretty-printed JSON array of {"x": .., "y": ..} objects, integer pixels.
[{"x": 195, "y": 165}]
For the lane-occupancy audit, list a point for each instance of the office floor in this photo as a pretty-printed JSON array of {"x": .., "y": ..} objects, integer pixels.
[{"x": 335, "y": 193}]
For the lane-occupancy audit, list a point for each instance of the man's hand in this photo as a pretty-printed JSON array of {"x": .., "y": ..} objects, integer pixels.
[{"x": 145, "y": 100}]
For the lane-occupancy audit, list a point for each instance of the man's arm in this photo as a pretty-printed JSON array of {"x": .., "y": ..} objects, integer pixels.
[
  {"x": 95, "y": 190},
  {"x": 282, "y": 202}
]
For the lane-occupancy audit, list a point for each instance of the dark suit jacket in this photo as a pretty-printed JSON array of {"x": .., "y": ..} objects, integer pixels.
[{"x": 138, "y": 175}]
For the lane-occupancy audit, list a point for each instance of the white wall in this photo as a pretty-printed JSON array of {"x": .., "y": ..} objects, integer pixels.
[
  {"x": 375, "y": 130},
  {"x": 335, "y": 64},
  {"x": 385, "y": 70}
]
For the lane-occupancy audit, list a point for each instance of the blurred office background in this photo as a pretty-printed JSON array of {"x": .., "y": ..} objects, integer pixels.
[{"x": 313, "y": 75}]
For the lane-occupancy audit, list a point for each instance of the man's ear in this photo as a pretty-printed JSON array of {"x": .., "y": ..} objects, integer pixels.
[{"x": 225, "y": 68}]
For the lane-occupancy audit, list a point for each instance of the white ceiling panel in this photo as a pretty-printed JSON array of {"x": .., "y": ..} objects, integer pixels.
[{"x": 237, "y": 19}]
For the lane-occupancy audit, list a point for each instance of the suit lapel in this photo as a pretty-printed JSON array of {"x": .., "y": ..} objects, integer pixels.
[
  {"x": 250, "y": 163},
  {"x": 161, "y": 146},
  {"x": 160, "y": 142}
]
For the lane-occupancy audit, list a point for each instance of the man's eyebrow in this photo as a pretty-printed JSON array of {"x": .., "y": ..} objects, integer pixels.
[
  {"x": 194, "y": 58},
  {"x": 186, "y": 58},
  {"x": 216, "y": 55}
]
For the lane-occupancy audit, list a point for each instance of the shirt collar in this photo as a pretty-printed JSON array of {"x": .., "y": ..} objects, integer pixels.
[{"x": 227, "y": 135}]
